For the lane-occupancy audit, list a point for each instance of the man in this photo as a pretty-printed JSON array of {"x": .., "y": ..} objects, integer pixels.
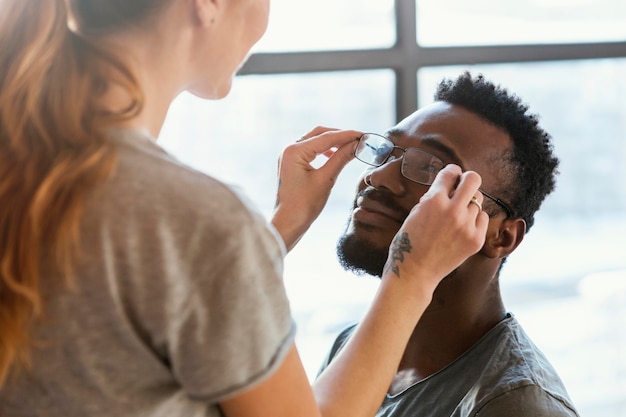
[{"x": 467, "y": 356}]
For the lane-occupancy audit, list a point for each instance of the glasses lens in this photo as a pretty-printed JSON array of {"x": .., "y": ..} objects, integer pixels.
[
  {"x": 373, "y": 149},
  {"x": 420, "y": 166}
]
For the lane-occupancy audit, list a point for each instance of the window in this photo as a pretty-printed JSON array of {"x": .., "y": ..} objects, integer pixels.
[
  {"x": 329, "y": 25},
  {"x": 356, "y": 64},
  {"x": 493, "y": 22}
]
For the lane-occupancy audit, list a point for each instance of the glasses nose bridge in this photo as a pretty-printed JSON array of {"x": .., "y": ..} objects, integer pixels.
[
  {"x": 397, "y": 152},
  {"x": 395, "y": 155}
]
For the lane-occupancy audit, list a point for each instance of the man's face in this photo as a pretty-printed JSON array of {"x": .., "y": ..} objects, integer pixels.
[{"x": 449, "y": 132}]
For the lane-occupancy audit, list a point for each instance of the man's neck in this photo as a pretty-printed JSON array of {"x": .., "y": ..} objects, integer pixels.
[{"x": 457, "y": 318}]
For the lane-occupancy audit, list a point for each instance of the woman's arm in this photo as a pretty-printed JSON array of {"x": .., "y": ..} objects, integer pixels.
[{"x": 284, "y": 393}]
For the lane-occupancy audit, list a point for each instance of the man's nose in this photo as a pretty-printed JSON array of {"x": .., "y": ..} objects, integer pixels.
[{"x": 388, "y": 176}]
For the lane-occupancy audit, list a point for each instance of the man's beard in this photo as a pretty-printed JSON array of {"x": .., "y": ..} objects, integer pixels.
[
  {"x": 357, "y": 254},
  {"x": 360, "y": 256}
]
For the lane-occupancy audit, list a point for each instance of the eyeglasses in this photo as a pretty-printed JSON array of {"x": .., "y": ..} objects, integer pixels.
[{"x": 417, "y": 165}]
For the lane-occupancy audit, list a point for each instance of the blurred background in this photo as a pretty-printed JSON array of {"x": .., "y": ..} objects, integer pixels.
[{"x": 365, "y": 64}]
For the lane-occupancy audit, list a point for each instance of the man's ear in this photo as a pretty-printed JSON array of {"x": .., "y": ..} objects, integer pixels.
[
  {"x": 206, "y": 11},
  {"x": 504, "y": 237}
]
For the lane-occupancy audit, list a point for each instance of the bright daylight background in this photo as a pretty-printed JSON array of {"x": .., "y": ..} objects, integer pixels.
[{"x": 566, "y": 283}]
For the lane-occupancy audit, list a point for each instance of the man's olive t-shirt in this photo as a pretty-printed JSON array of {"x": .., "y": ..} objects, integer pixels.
[{"x": 502, "y": 375}]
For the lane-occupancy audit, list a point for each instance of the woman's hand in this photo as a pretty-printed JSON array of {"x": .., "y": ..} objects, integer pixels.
[
  {"x": 303, "y": 190},
  {"x": 444, "y": 228}
]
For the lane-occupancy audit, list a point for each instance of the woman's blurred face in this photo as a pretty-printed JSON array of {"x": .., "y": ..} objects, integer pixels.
[
  {"x": 240, "y": 25},
  {"x": 258, "y": 17}
]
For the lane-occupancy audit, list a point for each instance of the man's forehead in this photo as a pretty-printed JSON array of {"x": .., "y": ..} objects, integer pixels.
[
  {"x": 455, "y": 135},
  {"x": 436, "y": 115},
  {"x": 450, "y": 124}
]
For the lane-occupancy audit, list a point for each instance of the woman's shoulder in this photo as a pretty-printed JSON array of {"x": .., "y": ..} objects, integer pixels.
[
  {"x": 152, "y": 172},
  {"x": 151, "y": 184}
]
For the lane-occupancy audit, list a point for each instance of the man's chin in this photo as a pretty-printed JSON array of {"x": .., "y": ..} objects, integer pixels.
[{"x": 361, "y": 256}]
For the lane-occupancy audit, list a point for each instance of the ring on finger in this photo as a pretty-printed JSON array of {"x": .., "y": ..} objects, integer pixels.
[{"x": 474, "y": 200}]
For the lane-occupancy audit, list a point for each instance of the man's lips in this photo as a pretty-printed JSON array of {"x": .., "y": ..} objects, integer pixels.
[{"x": 368, "y": 210}]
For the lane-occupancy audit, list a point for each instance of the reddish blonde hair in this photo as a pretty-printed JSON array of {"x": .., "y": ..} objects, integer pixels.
[{"x": 52, "y": 145}]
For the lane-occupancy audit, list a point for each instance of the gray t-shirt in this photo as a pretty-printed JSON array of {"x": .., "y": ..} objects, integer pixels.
[
  {"x": 502, "y": 375},
  {"x": 178, "y": 300}
]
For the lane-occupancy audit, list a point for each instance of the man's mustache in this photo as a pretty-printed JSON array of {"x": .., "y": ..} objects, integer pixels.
[{"x": 383, "y": 197}]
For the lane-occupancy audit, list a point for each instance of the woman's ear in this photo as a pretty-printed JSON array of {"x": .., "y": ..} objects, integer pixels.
[
  {"x": 504, "y": 237},
  {"x": 206, "y": 11}
]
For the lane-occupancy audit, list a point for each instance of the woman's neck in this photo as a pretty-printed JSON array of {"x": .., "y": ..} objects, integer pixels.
[{"x": 155, "y": 61}]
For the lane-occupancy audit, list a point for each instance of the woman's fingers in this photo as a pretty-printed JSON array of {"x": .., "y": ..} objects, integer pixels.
[
  {"x": 459, "y": 184},
  {"x": 467, "y": 188},
  {"x": 461, "y": 187},
  {"x": 318, "y": 130},
  {"x": 325, "y": 141},
  {"x": 303, "y": 189}
]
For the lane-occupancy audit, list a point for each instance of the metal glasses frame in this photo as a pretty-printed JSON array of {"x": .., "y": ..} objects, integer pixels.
[{"x": 509, "y": 212}]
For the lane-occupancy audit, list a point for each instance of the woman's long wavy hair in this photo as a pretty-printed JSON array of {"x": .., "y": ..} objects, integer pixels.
[{"x": 53, "y": 74}]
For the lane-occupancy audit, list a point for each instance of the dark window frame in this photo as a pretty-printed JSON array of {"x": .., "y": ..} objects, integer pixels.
[{"x": 406, "y": 57}]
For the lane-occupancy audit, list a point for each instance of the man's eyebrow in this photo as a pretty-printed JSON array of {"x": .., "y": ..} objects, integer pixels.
[{"x": 432, "y": 142}]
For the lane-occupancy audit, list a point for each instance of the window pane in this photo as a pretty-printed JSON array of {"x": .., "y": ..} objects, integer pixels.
[
  {"x": 567, "y": 281},
  {"x": 239, "y": 139},
  {"x": 496, "y": 22},
  {"x": 329, "y": 25}
]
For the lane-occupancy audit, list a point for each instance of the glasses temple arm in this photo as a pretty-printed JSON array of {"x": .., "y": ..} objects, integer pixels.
[{"x": 499, "y": 202}]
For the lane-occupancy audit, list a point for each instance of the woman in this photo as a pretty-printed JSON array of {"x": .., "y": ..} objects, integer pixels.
[{"x": 133, "y": 285}]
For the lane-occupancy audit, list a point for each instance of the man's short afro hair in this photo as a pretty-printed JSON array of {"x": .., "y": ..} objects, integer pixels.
[{"x": 532, "y": 164}]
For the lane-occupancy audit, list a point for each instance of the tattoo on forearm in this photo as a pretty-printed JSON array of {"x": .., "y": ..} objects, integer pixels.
[{"x": 399, "y": 246}]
